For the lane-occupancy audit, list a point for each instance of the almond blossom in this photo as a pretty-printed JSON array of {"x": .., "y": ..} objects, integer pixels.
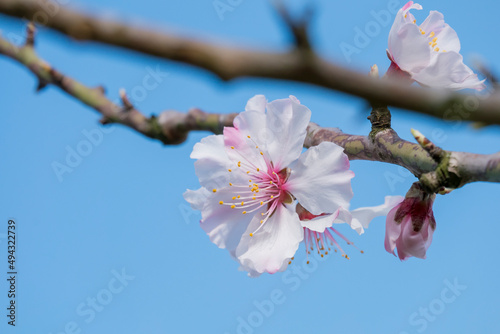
[
  {"x": 428, "y": 53},
  {"x": 253, "y": 175},
  {"x": 410, "y": 224}
]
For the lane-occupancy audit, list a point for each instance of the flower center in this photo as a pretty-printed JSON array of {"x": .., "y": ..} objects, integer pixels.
[{"x": 265, "y": 188}]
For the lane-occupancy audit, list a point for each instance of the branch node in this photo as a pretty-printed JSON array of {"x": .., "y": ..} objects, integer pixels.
[
  {"x": 434, "y": 151},
  {"x": 101, "y": 89},
  {"x": 299, "y": 27},
  {"x": 30, "y": 32},
  {"x": 41, "y": 85},
  {"x": 125, "y": 101}
]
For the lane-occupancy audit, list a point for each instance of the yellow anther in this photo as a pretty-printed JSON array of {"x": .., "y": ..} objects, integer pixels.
[
  {"x": 248, "y": 136},
  {"x": 234, "y": 197},
  {"x": 443, "y": 50},
  {"x": 258, "y": 170},
  {"x": 433, "y": 44},
  {"x": 239, "y": 196},
  {"x": 242, "y": 203},
  {"x": 244, "y": 212},
  {"x": 423, "y": 32},
  {"x": 261, "y": 221},
  {"x": 232, "y": 147},
  {"x": 405, "y": 18},
  {"x": 256, "y": 147},
  {"x": 233, "y": 206},
  {"x": 436, "y": 49},
  {"x": 262, "y": 213},
  {"x": 215, "y": 190},
  {"x": 432, "y": 34},
  {"x": 289, "y": 262},
  {"x": 414, "y": 21},
  {"x": 261, "y": 153},
  {"x": 430, "y": 43},
  {"x": 307, "y": 262},
  {"x": 230, "y": 184},
  {"x": 362, "y": 252},
  {"x": 272, "y": 196},
  {"x": 261, "y": 203},
  {"x": 434, "y": 40},
  {"x": 251, "y": 234},
  {"x": 229, "y": 170},
  {"x": 249, "y": 180},
  {"x": 253, "y": 198},
  {"x": 248, "y": 172},
  {"x": 221, "y": 202},
  {"x": 270, "y": 182}
]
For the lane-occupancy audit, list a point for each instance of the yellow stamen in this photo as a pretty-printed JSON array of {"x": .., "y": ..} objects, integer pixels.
[
  {"x": 414, "y": 21},
  {"x": 261, "y": 221},
  {"x": 436, "y": 49},
  {"x": 423, "y": 32},
  {"x": 251, "y": 234},
  {"x": 221, "y": 202},
  {"x": 232, "y": 147},
  {"x": 258, "y": 170},
  {"x": 248, "y": 136},
  {"x": 229, "y": 170},
  {"x": 261, "y": 203},
  {"x": 239, "y": 196},
  {"x": 242, "y": 203},
  {"x": 215, "y": 190},
  {"x": 230, "y": 184},
  {"x": 248, "y": 172},
  {"x": 233, "y": 206},
  {"x": 434, "y": 40},
  {"x": 244, "y": 212},
  {"x": 272, "y": 196},
  {"x": 261, "y": 153},
  {"x": 432, "y": 34}
]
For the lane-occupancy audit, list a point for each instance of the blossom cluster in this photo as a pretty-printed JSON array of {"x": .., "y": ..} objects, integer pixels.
[{"x": 261, "y": 195}]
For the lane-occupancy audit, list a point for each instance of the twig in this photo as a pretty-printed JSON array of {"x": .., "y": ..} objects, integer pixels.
[{"x": 229, "y": 63}]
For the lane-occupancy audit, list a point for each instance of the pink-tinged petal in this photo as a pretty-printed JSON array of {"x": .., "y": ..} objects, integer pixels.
[
  {"x": 224, "y": 225},
  {"x": 197, "y": 198},
  {"x": 240, "y": 142},
  {"x": 321, "y": 179},
  {"x": 409, "y": 48},
  {"x": 320, "y": 223},
  {"x": 392, "y": 231},
  {"x": 404, "y": 16},
  {"x": 449, "y": 71},
  {"x": 287, "y": 121},
  {"x": 257, "y": 103},
  {"x": 273, "y": 244},
  {"x": 213, "y": 162},
  {"x": 416, "y": 243},
  {"x": 362, "y": 217}
]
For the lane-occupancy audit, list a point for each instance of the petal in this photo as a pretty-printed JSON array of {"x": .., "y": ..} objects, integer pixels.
[
  {"x": 411, "y": 243},
  {"x": 197, "y": 198},
  {"x": 362, "y": 217},
  {"x": 446, "y": 37},
  {"x": 449, "y": 71},
  {"x": 287, "y": 121},
  {"x": 320, "y": 223},
  {"x": 409, "y": 48},
  {"x": 257, "y": 103},
  {"x": 240, "y": 143},
  {"x": 213, "y": 162},
  {"x": 392, "y": 230},
  {"x": 415, "y": 243},
  {"x": 270, "y": 249},
  {"x": 224, "y": 225},
  {"x": 321, "y": 179}
]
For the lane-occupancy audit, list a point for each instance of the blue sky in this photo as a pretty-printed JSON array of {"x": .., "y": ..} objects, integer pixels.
[{"x": 111, "y": 246}]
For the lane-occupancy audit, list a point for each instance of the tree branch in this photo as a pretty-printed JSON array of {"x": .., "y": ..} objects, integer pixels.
[
  {"x": 172, "y": 127},
  {"x": 299, "y": 64}
]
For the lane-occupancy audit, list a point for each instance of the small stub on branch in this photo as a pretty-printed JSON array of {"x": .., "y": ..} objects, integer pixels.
[{"x": 30, "y": 35}]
